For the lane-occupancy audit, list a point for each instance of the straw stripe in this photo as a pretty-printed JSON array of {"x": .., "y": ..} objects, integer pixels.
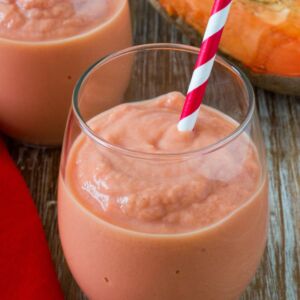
[
  {"x": 204, "y": 65},
  {"x": 198, "y": 93},
  {"x": 219, "y": 5},
  {"x": 201, "y": 74},
  {"x": 209, "y": 48},
  {"x": 216, "y": 22},
  {"x": 186, "y": 124}
]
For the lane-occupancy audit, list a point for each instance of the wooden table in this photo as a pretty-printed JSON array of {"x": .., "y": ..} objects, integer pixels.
[{"x": 279, "y": 274}]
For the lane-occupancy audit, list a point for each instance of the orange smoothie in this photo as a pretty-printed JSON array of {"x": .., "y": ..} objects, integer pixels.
[
  {"x": 45, "y": 45},
  {"x": 170, "y": 224}
]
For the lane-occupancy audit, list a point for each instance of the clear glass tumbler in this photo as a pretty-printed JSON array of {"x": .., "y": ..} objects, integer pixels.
[{"x": 215, "y": 260}]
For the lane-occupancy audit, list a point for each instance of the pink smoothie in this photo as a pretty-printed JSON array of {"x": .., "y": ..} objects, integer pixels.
[
  {"x": 45, "y": 45},
  {"x": 188, "y": 226}
]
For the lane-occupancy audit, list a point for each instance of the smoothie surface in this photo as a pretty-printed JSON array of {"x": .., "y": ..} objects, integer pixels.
[
  {"x": 162, "y": 196},
  {"x": 43, "y": 20}
]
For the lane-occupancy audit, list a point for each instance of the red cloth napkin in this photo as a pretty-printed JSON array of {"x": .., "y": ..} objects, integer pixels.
[{"x": 26, "y": 269}]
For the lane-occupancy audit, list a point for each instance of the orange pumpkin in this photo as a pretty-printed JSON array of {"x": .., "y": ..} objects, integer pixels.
[{"x": 263, "y": 35}]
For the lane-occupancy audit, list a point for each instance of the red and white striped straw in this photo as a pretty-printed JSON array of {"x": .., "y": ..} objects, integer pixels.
[{"x": 204, "y": 64}]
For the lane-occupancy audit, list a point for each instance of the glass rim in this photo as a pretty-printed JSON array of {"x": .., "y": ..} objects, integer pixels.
[{"x": 148, "y": 155}]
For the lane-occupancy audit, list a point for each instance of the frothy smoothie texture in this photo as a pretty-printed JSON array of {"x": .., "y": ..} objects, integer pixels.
[
  {"x": 45, "y": 45},
  {"x": 167, "y": 221}
]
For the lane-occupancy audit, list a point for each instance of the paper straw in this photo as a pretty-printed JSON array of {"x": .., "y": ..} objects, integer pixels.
[{"x": 204, "y": 64}]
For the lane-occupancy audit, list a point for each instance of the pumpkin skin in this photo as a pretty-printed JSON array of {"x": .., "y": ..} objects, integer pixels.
[{"x": 261, "y": 37}]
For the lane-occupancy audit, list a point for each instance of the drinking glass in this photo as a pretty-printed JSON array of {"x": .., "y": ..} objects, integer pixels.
[
  {"x": 45, "y": 46},
  {"x": 116, "y": 262}
]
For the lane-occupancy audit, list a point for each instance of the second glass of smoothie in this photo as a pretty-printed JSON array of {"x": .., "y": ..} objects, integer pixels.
[
  {"x": 45, "y": 46},
  {"x": 147, "y": 212}
]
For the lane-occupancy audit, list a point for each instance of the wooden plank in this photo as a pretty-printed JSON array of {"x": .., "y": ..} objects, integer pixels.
[{"x": 279, "y": 274}]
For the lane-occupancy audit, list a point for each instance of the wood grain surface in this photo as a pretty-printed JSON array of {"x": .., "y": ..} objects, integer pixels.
[{"x": 279, "y": 274}]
